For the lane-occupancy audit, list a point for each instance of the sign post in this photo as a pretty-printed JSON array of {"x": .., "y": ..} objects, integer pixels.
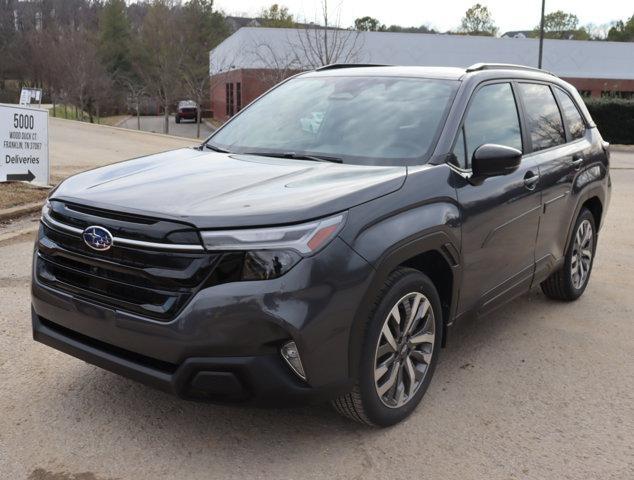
[{"x": 24, "y": 144}]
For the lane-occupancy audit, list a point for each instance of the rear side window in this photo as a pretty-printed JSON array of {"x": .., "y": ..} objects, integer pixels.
[
  {"x": 573, "y": 118},
  {"x": 544, "y": 119},
  {"x": 492, "y": 118}
]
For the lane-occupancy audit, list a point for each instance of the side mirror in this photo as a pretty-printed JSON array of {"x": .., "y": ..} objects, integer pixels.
[{"x": 491, "y": 160}]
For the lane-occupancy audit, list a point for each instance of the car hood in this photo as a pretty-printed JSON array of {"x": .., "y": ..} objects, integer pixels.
[{"x": 218, "y": 190}]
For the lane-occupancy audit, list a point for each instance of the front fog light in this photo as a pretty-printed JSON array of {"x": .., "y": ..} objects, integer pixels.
[{"x": 291, "y": 355}]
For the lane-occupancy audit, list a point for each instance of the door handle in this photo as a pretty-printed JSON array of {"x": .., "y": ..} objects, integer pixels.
[
  {"x": 577, "y": 160},
  {"x": 530, "y": 180}
]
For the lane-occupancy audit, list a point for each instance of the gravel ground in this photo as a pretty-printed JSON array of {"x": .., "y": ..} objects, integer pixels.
[{"x": 537, "y": 390}]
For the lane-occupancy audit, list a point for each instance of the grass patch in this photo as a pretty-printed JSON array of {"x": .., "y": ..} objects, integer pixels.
[
  {"x": 13, "y": 194},
  {"x": 67, "y": 112},
  {"x": 113, "y": 120}
]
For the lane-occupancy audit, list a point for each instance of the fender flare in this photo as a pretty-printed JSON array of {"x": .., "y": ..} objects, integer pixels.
[{"x": 438, "y": 241}]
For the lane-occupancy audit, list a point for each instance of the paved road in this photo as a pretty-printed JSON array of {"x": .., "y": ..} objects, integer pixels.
[
  {"x": 187, "y": 128},
  {"x": 77, "y": 146},
  {"x": 538, "y": 390}
]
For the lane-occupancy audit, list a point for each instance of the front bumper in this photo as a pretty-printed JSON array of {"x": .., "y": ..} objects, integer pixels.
[{"x": 224, "y": 345}]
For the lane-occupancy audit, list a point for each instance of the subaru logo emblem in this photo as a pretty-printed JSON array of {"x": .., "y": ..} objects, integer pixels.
[{"x": 97, "y": 238}]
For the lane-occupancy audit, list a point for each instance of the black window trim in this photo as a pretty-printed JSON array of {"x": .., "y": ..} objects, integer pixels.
[{"x": 520, "y": 115}]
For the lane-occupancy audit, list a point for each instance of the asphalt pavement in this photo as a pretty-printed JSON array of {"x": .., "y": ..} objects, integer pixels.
[
  {"x": 187, "y": 128},
  {"x": 537, "y": 390}
]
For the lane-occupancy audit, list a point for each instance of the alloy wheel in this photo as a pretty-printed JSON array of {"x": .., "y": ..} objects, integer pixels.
[
  {"x": 404, "y": 350},
  {"x": 582, "y": 250}
]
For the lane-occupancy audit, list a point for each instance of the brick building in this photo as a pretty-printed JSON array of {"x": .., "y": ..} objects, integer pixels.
[{"x": 253, "y": 59}]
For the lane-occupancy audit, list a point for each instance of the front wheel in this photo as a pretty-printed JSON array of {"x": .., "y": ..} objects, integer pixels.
[
  {"x": 569, "y": 282},
  {"x": 399, "y": 351}
]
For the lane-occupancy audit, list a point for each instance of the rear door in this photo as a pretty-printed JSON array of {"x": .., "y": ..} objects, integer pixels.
[
  {"x": 500, "y": 215},
  {"x": 559, "y": 147}
]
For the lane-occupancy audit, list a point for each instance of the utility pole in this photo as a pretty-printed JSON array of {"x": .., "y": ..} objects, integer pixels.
[{"x": 541, "y": 35}]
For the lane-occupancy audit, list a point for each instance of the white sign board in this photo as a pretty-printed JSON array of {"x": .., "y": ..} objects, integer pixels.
[
  {"x": 30, "y": 95},
  {"x": 24, "y": 144}
]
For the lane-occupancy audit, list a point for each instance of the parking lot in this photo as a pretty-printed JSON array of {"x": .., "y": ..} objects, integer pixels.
[
  {"x": 187, "y": 128},
  {"x": 537, "y": 390}
]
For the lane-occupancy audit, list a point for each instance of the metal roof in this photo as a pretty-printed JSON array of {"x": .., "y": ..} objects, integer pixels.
[{"x": 281, "y": 47}]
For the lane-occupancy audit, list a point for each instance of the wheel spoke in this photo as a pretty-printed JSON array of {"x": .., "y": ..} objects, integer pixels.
[
  {"x": 421, "y": 357},
  {"x": 422, "y": 338},
  {"x": 411, "y": 374},
  {"x": 391, "y": 380},
  {"x": 412, "y": 313},
  {"x": 389, "y": 337},
  {"x": 383, "y": 368},
  {"x": 586, "y": 253},
  {"x": 383, "y": 350}
]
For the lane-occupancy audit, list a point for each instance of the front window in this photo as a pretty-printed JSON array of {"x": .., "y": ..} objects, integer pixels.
[{"x": 362, "y": 120}]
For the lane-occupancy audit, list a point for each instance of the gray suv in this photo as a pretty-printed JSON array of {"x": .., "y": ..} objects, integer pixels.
[{"x": 323, "y": 242}]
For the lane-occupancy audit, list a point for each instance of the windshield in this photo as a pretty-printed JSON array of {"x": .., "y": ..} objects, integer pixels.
[{"x": 362, "y": 120}]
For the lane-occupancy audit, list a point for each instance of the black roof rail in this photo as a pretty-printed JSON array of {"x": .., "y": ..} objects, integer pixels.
[
  {"x": 335, "y": 66},
  {"x": 476, "y": 67}
]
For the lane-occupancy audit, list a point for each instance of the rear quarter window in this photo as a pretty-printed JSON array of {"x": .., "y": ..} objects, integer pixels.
[{"x": 576, "y": 125}]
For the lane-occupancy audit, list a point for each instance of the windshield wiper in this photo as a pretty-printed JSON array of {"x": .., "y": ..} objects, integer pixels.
[
  {"x": 297, "y": 156},
  {"x": 215, "y": 148}
]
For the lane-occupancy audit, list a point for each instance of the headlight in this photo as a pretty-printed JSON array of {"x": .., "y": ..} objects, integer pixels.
[{"x": 305, "y": 239}]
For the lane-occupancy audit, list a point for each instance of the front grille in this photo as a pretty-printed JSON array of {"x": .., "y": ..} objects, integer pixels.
[{"x": 154, "y": 276}]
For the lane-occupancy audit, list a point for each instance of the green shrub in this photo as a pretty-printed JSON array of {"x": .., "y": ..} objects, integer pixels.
[{"x": 614, "y": 118}]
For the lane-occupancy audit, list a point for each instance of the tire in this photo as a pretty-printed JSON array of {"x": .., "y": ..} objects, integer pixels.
[
  {"x": 565, "y": 284},
  {"x": 178, "y": 120},
  {"x": 365, "y": 403}
]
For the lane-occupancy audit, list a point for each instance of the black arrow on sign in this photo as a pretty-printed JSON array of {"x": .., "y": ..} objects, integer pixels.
[{"x": 17, "y": 177}]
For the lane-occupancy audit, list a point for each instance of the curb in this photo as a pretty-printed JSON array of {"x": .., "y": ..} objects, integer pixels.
[
  {"x": 18, "y": 233},
  {"x": 20, "y": 210},
  {"x": 141, "y": 132}
]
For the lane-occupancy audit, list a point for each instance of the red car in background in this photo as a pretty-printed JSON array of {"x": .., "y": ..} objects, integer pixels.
[{"x": 187, "y": 110}]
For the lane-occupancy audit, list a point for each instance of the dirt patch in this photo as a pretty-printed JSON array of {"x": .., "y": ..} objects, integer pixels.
[
  {"x": 41, "y": 474},
  {"x": 13, "y": 194}
]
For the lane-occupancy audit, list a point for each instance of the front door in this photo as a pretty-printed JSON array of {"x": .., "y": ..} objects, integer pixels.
[{"x": 500, "y": 215}]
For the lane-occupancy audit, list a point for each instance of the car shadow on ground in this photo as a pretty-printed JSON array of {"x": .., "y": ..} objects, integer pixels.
[{"x": 151, "y": 416}]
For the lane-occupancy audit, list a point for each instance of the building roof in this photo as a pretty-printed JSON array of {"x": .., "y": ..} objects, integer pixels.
[{"x": 264, "y": 48}]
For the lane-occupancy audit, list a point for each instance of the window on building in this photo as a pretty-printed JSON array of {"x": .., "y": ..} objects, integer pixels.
[
  {"x": 231, "y": 100},
  {"x": 544, "y": 119},
  {"x": 227, "y": 98},
  {"x": 576, "y": 126},
  {"x": 492, "y": 118},
  {"x": 238, "y": 96}
]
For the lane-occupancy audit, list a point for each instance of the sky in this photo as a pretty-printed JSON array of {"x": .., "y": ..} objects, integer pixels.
[{"x": 442, "y": 15}]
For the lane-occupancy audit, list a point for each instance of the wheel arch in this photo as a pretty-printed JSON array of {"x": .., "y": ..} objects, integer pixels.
[{"x": 436, "y": 256}]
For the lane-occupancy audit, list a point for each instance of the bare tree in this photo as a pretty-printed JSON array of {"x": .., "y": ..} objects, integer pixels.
[
  {"x": 159, "y": 55},
  {"x": 319, "y": 45},
  {"x": 203, "y": 28},
  {"x": 277, "y": 63},
  {"x": 135, "y": 91}
]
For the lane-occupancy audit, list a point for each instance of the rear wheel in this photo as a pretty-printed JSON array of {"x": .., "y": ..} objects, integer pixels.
[
  {"x": 569, "y": 282},
  {"x": 178, "y": 119},
  {"x": 399, "y": 352}
]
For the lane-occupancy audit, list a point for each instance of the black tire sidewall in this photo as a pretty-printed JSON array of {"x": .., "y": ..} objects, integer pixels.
[
  {"x": 573, "y": 292},
  {"x": 375, "y": 410}
]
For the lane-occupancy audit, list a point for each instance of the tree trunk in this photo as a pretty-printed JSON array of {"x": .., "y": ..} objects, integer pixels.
[
  {"x": 166, "y": 123},
  {"x": 65, "y": 111},
  {"x": 198, "y": 116},
  {"x": 53, "y": 105},
  {"x": 138, "y": 115}
]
